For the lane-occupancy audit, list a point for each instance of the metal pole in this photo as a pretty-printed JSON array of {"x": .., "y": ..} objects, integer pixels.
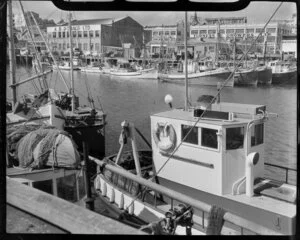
[
  {"x": 71, "y": 65},
  {"x": 89, "y": 201},
  {"x": 12, "y": 67},
  {"x": 186, "y": 65}
]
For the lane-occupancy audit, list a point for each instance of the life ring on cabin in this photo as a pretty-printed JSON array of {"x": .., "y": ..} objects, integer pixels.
[{"x": 164, "y": 137}]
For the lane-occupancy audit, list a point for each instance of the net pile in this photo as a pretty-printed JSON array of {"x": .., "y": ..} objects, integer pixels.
[{"x": 25, "y": 141}]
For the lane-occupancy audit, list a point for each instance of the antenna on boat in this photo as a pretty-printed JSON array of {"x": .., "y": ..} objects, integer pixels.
[
  {"x": 185, "y": 61},
  {"x": 71, "y": 64}
]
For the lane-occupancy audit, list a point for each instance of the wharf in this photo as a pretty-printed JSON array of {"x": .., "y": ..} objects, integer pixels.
[{"x": 32, "y": 211}]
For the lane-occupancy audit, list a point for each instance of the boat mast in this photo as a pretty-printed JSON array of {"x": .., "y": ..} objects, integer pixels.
[
  {"x": 12, "y": 67},
  {"x": 71, "y": 64},
  {"x": 265, "y": 49},
  {"x": 185, "y": 62},
  {"x": 217, "y": 44}
]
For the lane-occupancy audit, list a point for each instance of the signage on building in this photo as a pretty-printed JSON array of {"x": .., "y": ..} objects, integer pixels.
[{"x": 74, "y": 28}]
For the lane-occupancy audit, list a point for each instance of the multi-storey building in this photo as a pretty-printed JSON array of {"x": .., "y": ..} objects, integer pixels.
[
  {"x": 244, "y": 32},
  {"x": 96, "y": 35}
]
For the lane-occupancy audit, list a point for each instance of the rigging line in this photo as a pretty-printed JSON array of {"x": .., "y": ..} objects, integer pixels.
[{"x": 214, "y": 98}]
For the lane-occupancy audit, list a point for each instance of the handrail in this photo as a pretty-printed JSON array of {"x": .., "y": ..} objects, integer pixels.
[
  {"x": 287, "y": 169},
  {"x": 230, "y": 217}
]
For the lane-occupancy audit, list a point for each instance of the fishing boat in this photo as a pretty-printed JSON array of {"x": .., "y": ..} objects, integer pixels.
[
  {"x": 124, "y": 69},
  {"x": 198, "y": 75},
  {"x": 65, "y": 65},
  {"x": 61, "y": 110},
  {"x": 204, "y": 174},
  {"x": 283, "y": 72},
  {"x": 246, "y": 76}
]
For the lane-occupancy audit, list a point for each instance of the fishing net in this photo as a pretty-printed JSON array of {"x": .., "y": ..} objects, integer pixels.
[{"x": 23, "y": 141}]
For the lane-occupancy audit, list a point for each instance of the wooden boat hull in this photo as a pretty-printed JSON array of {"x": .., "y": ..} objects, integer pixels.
[
  {"x": 208, "y": 78},
  {"x": 249, "y": 77},
  {"x": 264, "y": 75},
  {"x": 288, "y": 77}
]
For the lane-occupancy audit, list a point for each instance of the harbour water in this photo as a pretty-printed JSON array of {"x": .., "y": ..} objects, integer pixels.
[{"x": 135, "y": 100}]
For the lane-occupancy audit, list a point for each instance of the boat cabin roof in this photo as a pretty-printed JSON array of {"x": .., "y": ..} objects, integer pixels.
[{"x": 243, "y": 114}]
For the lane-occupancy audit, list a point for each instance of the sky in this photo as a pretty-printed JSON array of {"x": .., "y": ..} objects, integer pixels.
[{"x": 256, "y": 12}]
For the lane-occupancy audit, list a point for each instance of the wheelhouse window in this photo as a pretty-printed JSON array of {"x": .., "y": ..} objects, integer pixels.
[
  {"x": 191, "y": 132},
  {"x": 257, "y": 135},
  {"x": 234, "y": 138},
  {"x": 209, "y": 138}
]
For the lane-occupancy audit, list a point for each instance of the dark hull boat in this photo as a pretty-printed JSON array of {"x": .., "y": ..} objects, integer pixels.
[
  {"x": 288, "y": 77},
  {"x": 264, "y": 75},
  {"x": 246, "y": 77}
]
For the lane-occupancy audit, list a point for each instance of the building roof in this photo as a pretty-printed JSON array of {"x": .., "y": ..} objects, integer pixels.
[{"x": 91, "y": 22}]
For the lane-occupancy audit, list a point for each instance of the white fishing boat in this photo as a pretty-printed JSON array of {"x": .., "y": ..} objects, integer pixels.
[
  {"x": 207, "y": 77},
  {"x": 65, "y": 65},
  {"x": 204, "y": 173}
]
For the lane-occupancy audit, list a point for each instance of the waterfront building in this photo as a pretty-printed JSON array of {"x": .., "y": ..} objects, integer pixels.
[
  {"x": 241, "y": 30},
  {"x": 95, "y": 36},
  {"x": 289, "y": 46}
]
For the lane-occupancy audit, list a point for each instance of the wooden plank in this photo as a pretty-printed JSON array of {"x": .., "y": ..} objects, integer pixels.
[{"x": 67, "y": 216}]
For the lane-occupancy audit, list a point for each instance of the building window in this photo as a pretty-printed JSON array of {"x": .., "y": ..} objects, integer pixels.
[
  {"x": 97, "y": 33},
  {"x": 79, "y": 34},
  {"x": 59, "y": 46},
  {"x": 194, "y": 32},
  {"x": 68, "y": 34},
  {"x": 229, "y": 30},
  {"x": 91, "y": 33},
  {"x": 85, "y": 34},
  {"x": 222, "y": 31},
  {"x": 173, "y": 33},
  {"x": 59, "y": 34},
  {"x": 192, "y": 136},
  {"x": 54, "y": 34},
  {"x": 203, "y": 31},
  {"x": 211, "y": 31},
  {"x": 250, "y": 30},
  {"x": 167, "y": 33},
  {"x": 92, "y": 47},
  {"x": 239, "y": 30},
  {"x": 79, "y": 46},
  {"x": 258, "y": 30},
  {"x": 271, "y": 30},
  {"x": 234, "y": 138},
  {"x": 63, "y": 46},
  {"x": 160, "y": 33},
  {"x": 155, "y": 33},
  {"x": 271, "y": 38},
  {"x": 260, "y": 39},
  {"x": 97, "y": 45},
  {"x": 68, "y": 45},
  {"x": 85, "y": 46},
  {"x": 74, "y": 33},
  {"x": 209, "y": 138},
  {"x": 211, "y": 48},
  {"x": 63, "y": 34},
  {"x": 257, "y": 134}
]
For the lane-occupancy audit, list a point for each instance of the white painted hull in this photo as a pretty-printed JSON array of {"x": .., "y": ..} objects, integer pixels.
[
  {"x": 124, "y": 74},
  {"x": 208, "y": 78}
]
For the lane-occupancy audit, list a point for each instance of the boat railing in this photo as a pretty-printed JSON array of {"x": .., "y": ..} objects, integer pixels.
[
  {"x": 286, "y": 170},
  {"x": 231, "y": 221}
]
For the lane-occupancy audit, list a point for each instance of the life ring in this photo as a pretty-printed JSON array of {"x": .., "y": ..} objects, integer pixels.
[{"x": 165, "y": 137}]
